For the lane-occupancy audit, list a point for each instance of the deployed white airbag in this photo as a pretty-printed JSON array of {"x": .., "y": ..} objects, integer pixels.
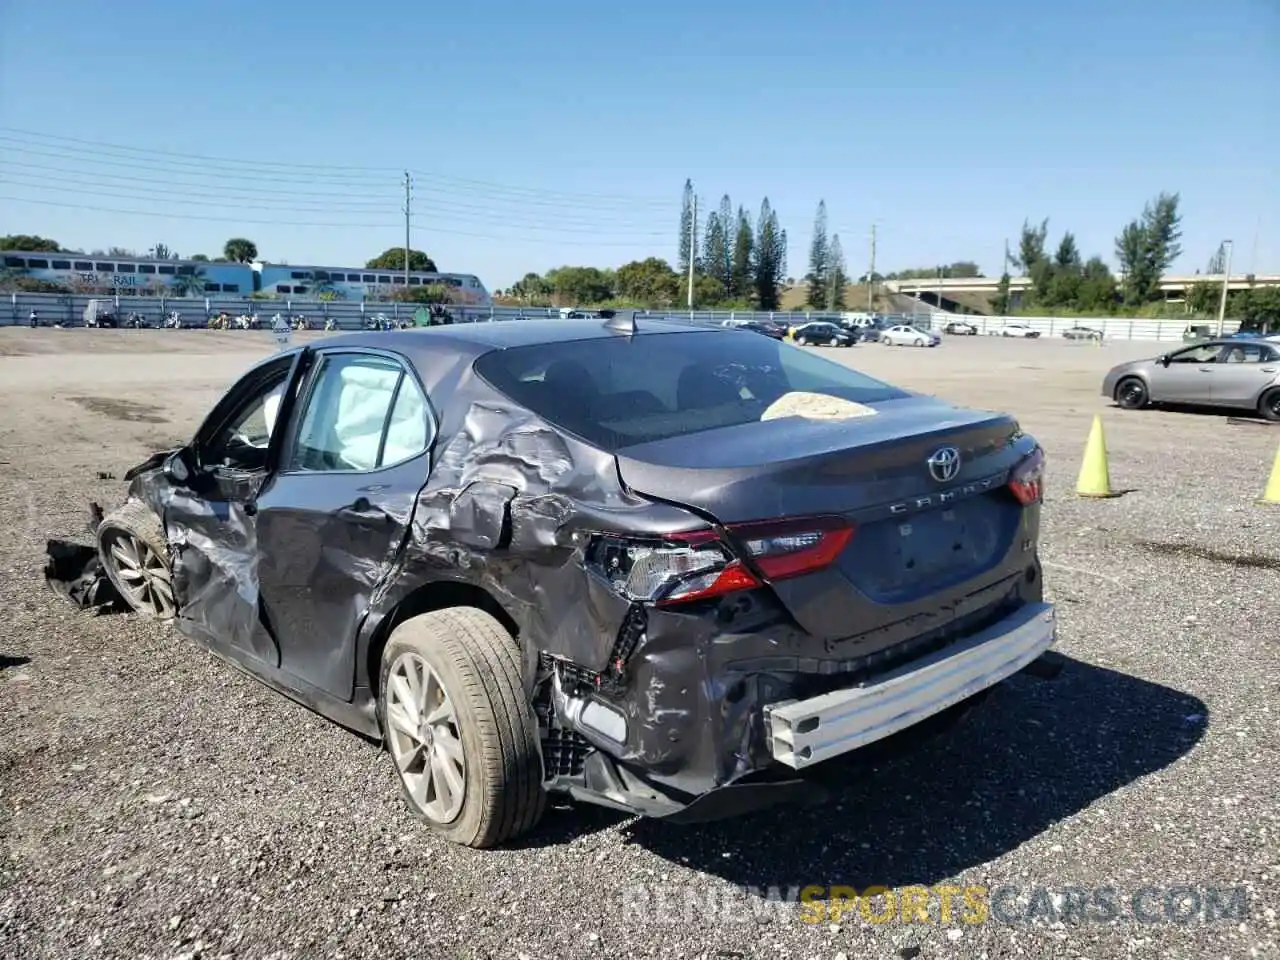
[{"x": 365, "y": 394}]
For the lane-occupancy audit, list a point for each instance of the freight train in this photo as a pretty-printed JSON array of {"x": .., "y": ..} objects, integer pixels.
[{"x": 135, "y": 276}]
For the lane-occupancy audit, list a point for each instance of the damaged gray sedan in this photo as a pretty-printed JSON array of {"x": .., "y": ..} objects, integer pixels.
[{"x": 657, "y": 567}]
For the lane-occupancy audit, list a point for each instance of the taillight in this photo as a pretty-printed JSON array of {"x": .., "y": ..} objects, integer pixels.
[
  {"x": 698, "y": 566},
  {"x": 678, "y": 569},
  {"x": 792, "y": 548},
  {"x": 1026, "y": 480}
]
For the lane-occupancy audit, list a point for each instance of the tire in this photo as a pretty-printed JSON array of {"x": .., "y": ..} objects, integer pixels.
[
  {"x": 475, "y": 664},
  {"x": 1131, "y": 394},
  {"x": 802, "y": 341},
  {"x": 135, "y": 556},
  {"x": 1269, "y": 405}
]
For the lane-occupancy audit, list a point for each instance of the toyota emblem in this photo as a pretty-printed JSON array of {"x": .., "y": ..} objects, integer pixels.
[{"x": 944, "y": 464}]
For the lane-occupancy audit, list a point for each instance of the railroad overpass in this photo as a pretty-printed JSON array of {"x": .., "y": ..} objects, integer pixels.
[{"x": 934, "y": 291}]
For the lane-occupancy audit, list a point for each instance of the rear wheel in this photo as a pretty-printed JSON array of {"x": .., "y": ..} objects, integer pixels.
[
  {"x": 135, "y": 555},
  {"x": 1131, "y": 393},
  {"x": 460, "y": 728},
  {"x": 801, "y": 341},
  {"x": 1269, "y": 405}
]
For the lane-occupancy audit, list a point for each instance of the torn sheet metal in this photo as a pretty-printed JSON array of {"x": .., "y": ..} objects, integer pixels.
[
  {"x": 214, "y": 552},
  {"x": 74, "y": 571},
  {"x": 509, "y": 503}
]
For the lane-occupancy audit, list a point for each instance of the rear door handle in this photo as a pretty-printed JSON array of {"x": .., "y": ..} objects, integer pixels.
[
  {"x": 1268, "y": 369},
  {"x": 362, "y": 509}
]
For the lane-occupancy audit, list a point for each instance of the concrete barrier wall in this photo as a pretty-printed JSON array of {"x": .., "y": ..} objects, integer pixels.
[{"x": 68, "y": 310}]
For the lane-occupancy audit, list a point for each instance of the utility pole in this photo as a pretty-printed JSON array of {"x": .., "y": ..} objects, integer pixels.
[
  {"x": 871, "y": 274},
  {"x": 693, "y": 246},
  {"x": 1226, "y": 279},
  {"x": 408, "y": 185}
]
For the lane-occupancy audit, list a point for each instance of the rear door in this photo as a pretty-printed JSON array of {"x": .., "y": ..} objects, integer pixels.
[
  {"x": 332, "y": 519},
  {"x": 1244, "y": 371}
]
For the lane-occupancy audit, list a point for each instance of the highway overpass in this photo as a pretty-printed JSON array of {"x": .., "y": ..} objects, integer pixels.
[{"x": 935, "y": 291}]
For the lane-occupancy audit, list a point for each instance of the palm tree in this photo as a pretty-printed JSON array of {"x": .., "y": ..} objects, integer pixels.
[{"x": 240, "y": 250}]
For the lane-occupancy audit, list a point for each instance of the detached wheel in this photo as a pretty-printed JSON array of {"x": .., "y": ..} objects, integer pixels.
[
  {"x": 1131, "y": 393},
  {"x": 460, "y": 728},
  {"x": 1269, "y": 404},
  {"x": 135, "y": 555}
]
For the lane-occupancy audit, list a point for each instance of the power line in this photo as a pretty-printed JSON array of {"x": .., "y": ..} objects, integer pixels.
[
  {"x": 444, "y": 210},
  {"x": 118, "y": 155},
  {"x": 592, "y": 242}
]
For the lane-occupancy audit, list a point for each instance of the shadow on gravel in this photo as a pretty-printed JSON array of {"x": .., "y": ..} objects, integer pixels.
[
  {"x": 1035, "y": 753},
  {"x": 7, "y": 661}
]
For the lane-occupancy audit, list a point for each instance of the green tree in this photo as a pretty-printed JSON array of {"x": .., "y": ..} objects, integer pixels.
[
  {"x": 1066, "y": 274},
  {"x": 427, "y": 293},
  {"x": 1203, "y": 296},
  {"x": 740, "y": 286},
  {"x": 162, "y": 251},
  {"x": 836, "y": 276},
  {"x": 1031, "y": 245},
  {"x": 1097, "y": 290},
  {"x": 1218, "y": 262},
  {"x": 770, "y": 264},
  {"x": 581, "y": 285},
  {"x": 240, "y": 250},
  {"x": 650, "y": 281},
  {"x": 717, "y": 249},
  {"x": 687, "y": 227},
  {"x": 203, "y": 258},
  {"x": 393, "y": 259},
  {"x": 27, "y": 241},
  {"x": 531, "y": 289},
  {"x": 707, "y": 291},
  {"x": 1147, "y": 246},
  {"x": 819, "y": 260}
]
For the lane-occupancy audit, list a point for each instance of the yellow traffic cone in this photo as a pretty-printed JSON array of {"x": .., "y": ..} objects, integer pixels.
[
  {"x": 1272, "y": 493},
  {"x": 1095, "y": 476}
]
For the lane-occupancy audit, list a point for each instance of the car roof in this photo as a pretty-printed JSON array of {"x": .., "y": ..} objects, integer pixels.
[{"x": 483, "y": 336}]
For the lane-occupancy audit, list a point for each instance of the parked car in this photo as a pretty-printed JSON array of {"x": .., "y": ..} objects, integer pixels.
[
  {"x": 1017, "y": 330},
  {"x": 962, "y": 328},
  {"x": 764, "y": 327},
  {"x": 821, "y": 333},
  {"x": 534, "y": 558},
  {"x": 903, "y": 335},
  {"x": 1230, "y": 373},
  {"x": 1082, "y": 333}
]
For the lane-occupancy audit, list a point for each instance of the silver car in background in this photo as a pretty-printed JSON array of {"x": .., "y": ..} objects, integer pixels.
[
  {"x": 1231, "y": 373},
  {"x": 904, "y": 335}
]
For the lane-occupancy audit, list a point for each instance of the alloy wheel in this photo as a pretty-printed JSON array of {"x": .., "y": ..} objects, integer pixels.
[
  {"x": 425, "y": 739},
  {"x": 142, "y": 574}
]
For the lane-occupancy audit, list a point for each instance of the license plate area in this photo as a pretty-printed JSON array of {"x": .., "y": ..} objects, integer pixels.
[{"x": 898, "y": 559}]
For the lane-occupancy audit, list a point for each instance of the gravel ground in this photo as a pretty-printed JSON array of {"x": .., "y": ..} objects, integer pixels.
[{"x": 154, "y": 802}]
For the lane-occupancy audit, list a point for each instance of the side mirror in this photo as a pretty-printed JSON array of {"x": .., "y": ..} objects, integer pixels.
[
  {"x": 180, "y": 467},
  {"x": 1163, "y": 359}
]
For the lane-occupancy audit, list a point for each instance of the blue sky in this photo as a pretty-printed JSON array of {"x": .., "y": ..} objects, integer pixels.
[{"x": 562, "y": 132}]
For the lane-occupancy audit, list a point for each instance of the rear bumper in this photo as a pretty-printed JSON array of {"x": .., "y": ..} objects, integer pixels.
[{"x": 801, "y": 733}]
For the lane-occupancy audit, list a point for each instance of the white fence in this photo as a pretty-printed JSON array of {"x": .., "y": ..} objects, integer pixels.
[{"x": 68, "y": 310}]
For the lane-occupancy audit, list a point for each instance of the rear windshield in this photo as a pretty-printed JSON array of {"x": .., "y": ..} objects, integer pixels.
[{"x": 623, "y": 391}]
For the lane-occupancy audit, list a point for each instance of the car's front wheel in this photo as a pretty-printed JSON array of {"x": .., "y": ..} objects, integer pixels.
[
  {"x": 460, "y": 728},
  {"x": 802, "y": 341},
  {"x": 1131, "y": 393},
  {"x": 135, "y": 556}
]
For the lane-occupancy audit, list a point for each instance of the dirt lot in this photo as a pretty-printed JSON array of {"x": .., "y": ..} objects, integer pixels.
[{"x": 156, "y": 803}]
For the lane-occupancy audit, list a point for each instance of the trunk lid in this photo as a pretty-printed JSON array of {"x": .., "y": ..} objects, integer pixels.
[{"x": 916, "y": 537}]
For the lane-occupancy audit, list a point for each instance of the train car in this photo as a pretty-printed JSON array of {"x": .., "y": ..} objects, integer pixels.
[
  {"x": 139, "y": 277},
  {"x": 130, "y": 276},
  {"x": 355, "y": 283}
]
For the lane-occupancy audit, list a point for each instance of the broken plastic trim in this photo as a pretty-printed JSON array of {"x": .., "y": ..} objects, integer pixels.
[{"x": 1026, "y": 479}]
